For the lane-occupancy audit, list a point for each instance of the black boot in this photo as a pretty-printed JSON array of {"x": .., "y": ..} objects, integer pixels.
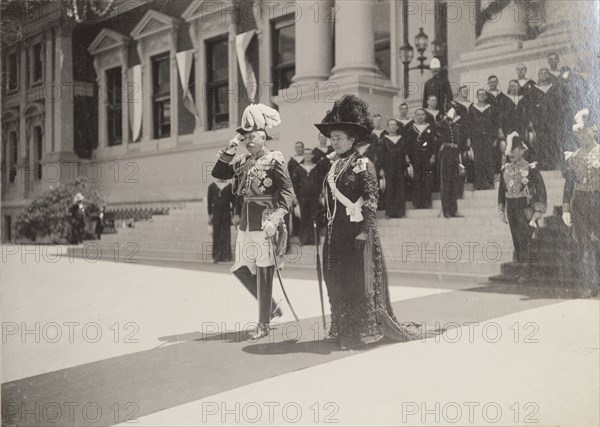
[
  {"x": 247, "y": 278},
  {"x": 249, "y": 281},
  {"x": 265, "y": 298}
]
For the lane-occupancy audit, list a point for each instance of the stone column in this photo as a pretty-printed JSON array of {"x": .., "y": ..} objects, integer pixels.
[
  {"x": 313, "y": 42},
  {"x": 147, "y": 131},
  {"x": 22, "y": 179},
  {"x": 354, "y": 39},
  {"x": 63, "y": 107},
  {"x": 101, "y": 82},
  {"x": 125, "y": 100},
  {"x": 506, "y": 26},
  {"x": 235, "y": 88},
  {"x": 572, "y": 17},
  {"x": 265, "y": 48}
]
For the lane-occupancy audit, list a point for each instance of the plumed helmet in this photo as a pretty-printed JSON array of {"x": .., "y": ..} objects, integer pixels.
[{"x": 258, "y": 117}]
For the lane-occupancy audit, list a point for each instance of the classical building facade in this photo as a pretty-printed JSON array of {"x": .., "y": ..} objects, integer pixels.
[{"x": 139, "y": 101}]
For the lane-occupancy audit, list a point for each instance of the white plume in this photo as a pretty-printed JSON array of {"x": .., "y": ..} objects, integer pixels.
[
  {"x": 579, "y": 123},
  {"x": 260, "y": 116},
  {"x": 509, "y": 142}
]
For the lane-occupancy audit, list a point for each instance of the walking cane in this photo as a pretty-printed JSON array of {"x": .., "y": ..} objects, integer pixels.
[{"x": 319, "y": 271}]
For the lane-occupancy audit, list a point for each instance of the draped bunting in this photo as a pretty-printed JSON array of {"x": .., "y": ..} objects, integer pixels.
[
  {"x": 242, "y": 41},
  {"x": 135, "y": 103},
  {"x": 185, "y": 61}
]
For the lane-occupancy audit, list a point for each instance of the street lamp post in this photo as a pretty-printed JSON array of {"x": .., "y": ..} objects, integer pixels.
[{"x": 407, "y": 54}]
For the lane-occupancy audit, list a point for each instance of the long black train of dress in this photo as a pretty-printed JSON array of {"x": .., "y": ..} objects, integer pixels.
[
  {"x": 392, "y": 155},
  {"x": 355, "y": 272}
]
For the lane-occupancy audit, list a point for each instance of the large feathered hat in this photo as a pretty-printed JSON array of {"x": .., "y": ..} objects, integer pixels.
[
  {"x": 349, "y": 114},
  {"x": 258, "y": 117}
]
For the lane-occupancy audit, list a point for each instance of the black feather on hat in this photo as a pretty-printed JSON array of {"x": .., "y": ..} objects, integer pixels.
[{"x": 349, "y": 114}]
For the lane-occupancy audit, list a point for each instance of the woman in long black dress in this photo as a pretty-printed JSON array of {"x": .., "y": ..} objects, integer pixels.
[
  {"x": 355, "y": 272},
  {"x": 394, "y": 158},
  {"x": 482, "y": 135},
  {"x": 422, "y": 147},
  {"x": 581, "y": 200}
]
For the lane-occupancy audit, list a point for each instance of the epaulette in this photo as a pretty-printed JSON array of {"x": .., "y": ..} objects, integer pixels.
[{"x": 278, "y": 156}]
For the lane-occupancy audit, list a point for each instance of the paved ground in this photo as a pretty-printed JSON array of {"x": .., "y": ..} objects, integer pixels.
[{"x": 103, "y": 343}]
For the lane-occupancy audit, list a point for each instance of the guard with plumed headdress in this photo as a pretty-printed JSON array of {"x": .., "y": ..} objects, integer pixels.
[
  {"x": 355, "y": 273},
  {"x": 521, "y": 197},
  {"x": 262, "y": 180}
]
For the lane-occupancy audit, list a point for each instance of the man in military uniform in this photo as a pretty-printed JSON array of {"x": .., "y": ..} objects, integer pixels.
[
  {"x": 262, "y": 179},
  {"x": 452, "y": 139}
]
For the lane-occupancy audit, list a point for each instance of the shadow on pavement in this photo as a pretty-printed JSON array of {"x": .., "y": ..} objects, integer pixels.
[
  {"x": 189, "y": 366},
  {"x": 529, "y": 292}
]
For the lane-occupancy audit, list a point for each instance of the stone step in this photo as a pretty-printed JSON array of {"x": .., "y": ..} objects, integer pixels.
[
  {"x": 479, "y": 268},
  {"x": 541, "y": 270},
  {"x": 433, "y": 232},
  {"x": 410, "y": 251}
]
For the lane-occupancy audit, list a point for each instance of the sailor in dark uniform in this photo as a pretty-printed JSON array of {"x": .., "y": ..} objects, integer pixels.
[
  {"x": 521, "y": 197},
  {"x": 221, "y": 203},
  {"x": 525, "y": 83},
  {"x": 262, "y": 179},
  {"x": 483, "y": 133},
  {"x": 461, "y": 105},
  {"x": 549, "y": 128},
  {"x": 404, "y": 121},
  {"x": 394, "y": 155},
  {"x": 422, "y": 148},
  {"x": 432, "y": 113}
]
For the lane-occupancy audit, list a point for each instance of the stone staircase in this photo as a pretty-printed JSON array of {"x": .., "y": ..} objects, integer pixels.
[{"x": 424, "y": 241}]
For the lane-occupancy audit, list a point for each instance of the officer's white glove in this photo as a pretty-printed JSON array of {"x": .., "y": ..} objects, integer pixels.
[
  {"x": 410, "y": 170},
  {"x": 269, "y": 228},
  {"x": 566, "y": 217}
]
